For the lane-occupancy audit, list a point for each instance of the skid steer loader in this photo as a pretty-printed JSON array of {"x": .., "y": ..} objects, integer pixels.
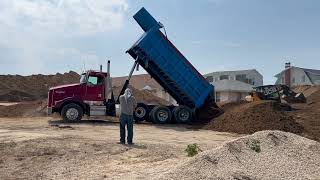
[{"x": 279, "y": 93}]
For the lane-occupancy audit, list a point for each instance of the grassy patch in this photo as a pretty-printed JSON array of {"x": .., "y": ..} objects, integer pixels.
[
  {"x": 255, "y": 145},
  {"x": 192, "y": 149}
]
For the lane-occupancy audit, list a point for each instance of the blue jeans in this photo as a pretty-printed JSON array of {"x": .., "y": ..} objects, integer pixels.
[{"x": 126, "y": 120}]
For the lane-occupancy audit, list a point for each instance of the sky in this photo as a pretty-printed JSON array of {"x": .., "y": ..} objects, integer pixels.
[{"x": 50, "y": 36}]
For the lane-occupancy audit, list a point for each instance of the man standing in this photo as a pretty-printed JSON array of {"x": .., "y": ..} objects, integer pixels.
[{"x": 127, "y": 106}]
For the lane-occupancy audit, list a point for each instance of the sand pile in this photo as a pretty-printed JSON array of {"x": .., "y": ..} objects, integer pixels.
[
  {"x": 263, "y": 155},
  {"x": 14, "y": 88},
  {"x": 247, "y": 118},
  {"x": 142, "y": 96},
  {"x": 25, "y": 109}
]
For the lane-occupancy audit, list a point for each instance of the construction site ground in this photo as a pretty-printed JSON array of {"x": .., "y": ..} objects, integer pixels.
[
  {"x": 46, "y": 148},
  {"x": 34, "y": 146}
]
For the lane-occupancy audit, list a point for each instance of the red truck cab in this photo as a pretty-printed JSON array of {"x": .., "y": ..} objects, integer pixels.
[{"x": 91, "y": 96}]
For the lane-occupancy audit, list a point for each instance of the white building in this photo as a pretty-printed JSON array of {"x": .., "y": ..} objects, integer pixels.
[
  {"x": 294, "y": 76},
  {"x": 232, "y": 86}
]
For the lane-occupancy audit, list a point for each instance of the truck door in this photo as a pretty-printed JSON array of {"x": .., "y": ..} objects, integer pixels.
[{"x": 94, "y": 88}]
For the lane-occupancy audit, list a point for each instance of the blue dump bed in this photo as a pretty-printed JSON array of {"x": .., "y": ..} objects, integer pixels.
[{"x": 166, "y": 64}]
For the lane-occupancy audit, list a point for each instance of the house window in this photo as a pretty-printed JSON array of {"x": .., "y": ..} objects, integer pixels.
[
  {"x": 209, "y": 78},
  {"x": 222, "y": 77},
  {"x": 242, "y": 78},
  {"x": 303, "y": 79},
  {"x": 293, "y": 80}
]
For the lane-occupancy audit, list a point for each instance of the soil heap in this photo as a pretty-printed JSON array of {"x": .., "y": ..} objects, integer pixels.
[
  {"x": 308, "y": 114},
  {"x": 247, "y": 118},
  {"x": 15, "y": 88},
  {"x": 263, "y": 155},
  {"x": 25, "y": 109},
  {"x": 306, "y": 89}
]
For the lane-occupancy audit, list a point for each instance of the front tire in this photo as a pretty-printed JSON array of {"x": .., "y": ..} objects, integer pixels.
[
  {"x": 72, "y": 113},
  {"x": 160, "y": 115}
]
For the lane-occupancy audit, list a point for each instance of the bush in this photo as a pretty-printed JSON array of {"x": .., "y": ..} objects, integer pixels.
[
  {"x": 255, "y": 145},
  {"x": 192, "y": 149}
]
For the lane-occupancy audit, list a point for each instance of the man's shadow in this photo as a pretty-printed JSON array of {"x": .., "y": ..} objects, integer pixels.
[{"x": 94, "y": 122}]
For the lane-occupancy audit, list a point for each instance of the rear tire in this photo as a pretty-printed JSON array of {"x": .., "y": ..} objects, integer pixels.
[
  {"x": 72, "y": 113},
  {"x": 182, "y": 114},
  {"x": 160, "y": 115},
  {"x": 141, "y": 112}
]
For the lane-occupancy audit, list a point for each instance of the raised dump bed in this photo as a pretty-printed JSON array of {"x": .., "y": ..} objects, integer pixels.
[{"x": 167, "y": 65}]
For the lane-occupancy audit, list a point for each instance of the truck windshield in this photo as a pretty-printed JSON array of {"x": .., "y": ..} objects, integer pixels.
[{"x": 83, "y": 78}]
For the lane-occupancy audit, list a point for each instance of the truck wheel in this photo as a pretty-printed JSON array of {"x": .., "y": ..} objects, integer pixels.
[
  {"x": 141, "y": 112},
  {"x": 160, "y": 115},
  {"x": 72, "y": 112},
  {"x": 182, "y": 114}
]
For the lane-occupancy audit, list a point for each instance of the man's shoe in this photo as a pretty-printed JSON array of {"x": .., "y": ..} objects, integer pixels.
[
  {"x": 130, "y": 143},
  {"x": 121, "y": 143}
]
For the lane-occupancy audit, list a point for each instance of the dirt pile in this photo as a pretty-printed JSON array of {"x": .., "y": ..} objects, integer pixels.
[
  {"x": 142, "y": 96},
  {"x": 247, "y": 118},
  {"x": 231, "y": 105},
  {"x": 25, "y": 109},
  {"x": 14, "y": 88},
  {"x": 306, "y": 89},
  {"x": 308, "y": 115},
  {"x": 263, "y": 155}
]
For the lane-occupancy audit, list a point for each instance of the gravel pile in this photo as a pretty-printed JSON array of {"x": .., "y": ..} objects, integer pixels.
[{"x": 263, "y": 155}]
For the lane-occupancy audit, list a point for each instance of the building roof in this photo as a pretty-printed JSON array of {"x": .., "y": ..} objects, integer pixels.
[
  {"x": 232, "y": 85},
  {"x": 232, "y": 72},
  {"x": 313, "y": 74}
]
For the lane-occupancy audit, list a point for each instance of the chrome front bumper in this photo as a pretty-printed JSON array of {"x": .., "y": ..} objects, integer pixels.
[{"x": 49, "y": 110}]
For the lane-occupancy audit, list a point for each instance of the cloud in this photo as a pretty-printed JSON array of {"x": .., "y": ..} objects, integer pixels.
[
  {"x": 37, "y": 34},
  {"x": 68, "y": 16}
]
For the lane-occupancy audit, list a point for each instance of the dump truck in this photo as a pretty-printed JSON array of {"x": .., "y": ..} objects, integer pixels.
[
  {"x": 164, "y": 62},
  {"x": 169, "y": 67}
]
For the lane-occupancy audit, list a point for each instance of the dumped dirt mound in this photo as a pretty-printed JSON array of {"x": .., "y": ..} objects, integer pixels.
[
  {"x": 263, "y": 155},
  {"x": 16, "y": 96},
  {"x": 14, "y": 88},
  {"x": 230, "y": 105},
  {"x": 314, "y": 97},
  {"x": 308, "y": 115},
  {"x": 306, "y": 89},
  {"x": 142, "y": 96},
  {"x": 25, "y": 109},
  {"x": 251, "y": 117}
]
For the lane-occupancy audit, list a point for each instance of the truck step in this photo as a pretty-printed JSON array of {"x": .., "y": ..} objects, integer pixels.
[{"x": 97, "y": 110}]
